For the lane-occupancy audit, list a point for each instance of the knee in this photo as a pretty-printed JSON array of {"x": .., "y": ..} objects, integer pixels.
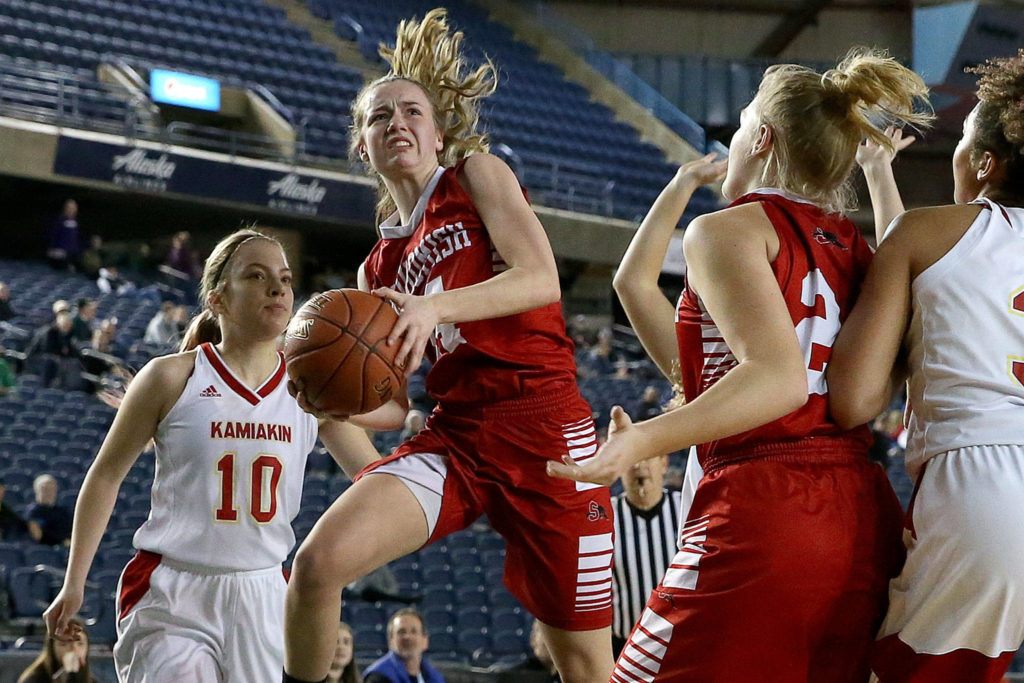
[{"x": 318, "y": 568}]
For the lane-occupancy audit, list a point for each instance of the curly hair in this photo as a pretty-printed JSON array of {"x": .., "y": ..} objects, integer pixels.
[
  {"x": 429, "y": 54},
  {"x": 820, "y": 119},
  {"x": 999, "y": 117}
]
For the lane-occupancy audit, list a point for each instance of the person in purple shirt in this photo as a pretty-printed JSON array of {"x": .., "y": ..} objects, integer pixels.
[{"x": 65, "y": 246}]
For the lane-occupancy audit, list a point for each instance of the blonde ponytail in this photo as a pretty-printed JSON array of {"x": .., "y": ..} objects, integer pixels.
[
  {"x": 818, "y": 120},
  {"x": 429, "y": 54},
  {"x": 202, "y": 329}
]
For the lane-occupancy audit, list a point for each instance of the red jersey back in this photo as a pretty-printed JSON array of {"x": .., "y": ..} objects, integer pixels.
[
  {"x": 446, "y": 246},
  {"x": 821, "y": 263}
]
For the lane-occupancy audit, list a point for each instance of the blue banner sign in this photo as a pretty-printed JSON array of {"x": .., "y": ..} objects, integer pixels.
[{"x": 154, "y": 170}]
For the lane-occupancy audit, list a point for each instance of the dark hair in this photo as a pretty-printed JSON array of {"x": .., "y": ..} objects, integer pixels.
[
  {"x": 47, "y": 664},
  {"x": 406, "y": 612},
  {"x": 999, "y": 118},
  {"x": 350, "y": 674},
  {"x": 204, "y": 327}
]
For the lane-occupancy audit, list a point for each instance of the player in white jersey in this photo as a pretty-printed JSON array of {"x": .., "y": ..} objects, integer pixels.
[
  {"x": 203, "y": 600},
  {"x": 947, "y": 288}
]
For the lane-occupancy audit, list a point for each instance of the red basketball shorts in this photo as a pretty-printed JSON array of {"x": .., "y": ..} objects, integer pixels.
[
  {"x": 491, "y": 459},
  {"x": 781, "y": 576}
]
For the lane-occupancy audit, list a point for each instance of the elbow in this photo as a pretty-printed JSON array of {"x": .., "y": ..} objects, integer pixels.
[
  {"x": 793, "y": 395},
  {"x": 550, "y": 291},
  {"x": 847, "y": 412}
]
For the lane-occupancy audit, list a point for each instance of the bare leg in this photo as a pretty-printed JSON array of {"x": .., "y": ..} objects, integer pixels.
[
  {"x": 377, "y": 520},
  {"x": 581, "y": 656}
]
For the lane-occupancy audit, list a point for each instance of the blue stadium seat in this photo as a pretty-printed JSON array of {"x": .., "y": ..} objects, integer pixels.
[
  {"x": 472, "y": 641},
  {"x": 30, "y": 592},
  {"x": 11, "y": 555},
  {"x": 52, "y": 556},
  {"x": 472, "y": 619}
]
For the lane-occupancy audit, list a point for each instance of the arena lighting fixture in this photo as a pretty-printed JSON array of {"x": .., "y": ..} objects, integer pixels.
[{"x": 184, "y": 90}]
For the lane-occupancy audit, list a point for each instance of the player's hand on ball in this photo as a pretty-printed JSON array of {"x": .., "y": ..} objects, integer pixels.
[
  {"x": 417, "y": 319},
  {"x": 624, "y": 448},
  {"x": 64, "y": 606},
  {"x": 295, "y": 389}
]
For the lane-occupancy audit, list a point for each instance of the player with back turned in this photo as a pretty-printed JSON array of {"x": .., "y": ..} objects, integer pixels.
[
  {"x": 467, "y": 263},
  {"x": 792, "y": 533},
  {"x": 203, "y": 600}
]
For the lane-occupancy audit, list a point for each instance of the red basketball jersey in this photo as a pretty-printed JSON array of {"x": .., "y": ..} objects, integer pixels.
[
  {"x": 821, "y": 263},
  {"x": 446, "y": 246}
]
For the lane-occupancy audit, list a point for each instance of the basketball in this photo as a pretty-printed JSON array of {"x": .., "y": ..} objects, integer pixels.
[{"x": 336, "y": 350}]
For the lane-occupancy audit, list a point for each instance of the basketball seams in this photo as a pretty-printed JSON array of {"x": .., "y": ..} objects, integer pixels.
[{"x": 362, "y": 369}]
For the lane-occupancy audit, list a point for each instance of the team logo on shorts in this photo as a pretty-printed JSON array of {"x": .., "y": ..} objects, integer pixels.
[{"x": 596, "y": 513}]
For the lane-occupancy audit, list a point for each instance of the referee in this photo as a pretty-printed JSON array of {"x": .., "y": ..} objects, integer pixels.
[{"x": 646, "y": 519}]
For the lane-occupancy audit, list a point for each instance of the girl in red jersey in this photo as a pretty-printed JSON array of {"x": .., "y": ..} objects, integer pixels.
[
  {"x": 944, "y": 302},
  {"x": 792, "y": 533},
  {"x": 203, "y": 600},
  {"x": 467, "y": 263}
]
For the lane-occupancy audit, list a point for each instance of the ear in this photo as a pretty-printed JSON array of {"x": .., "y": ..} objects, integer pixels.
[
  {"x": 439, "y": 143},
  {"x": 764, "y": 141},
  {"x": 215, "y": 301},
  {"x": 989, "y": 167},
  {"x": 361, "y": 148}
]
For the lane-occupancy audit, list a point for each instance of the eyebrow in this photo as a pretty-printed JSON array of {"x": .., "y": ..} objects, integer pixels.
[
  {"x": 404, "y": 103},
  {"x": 264, "y": 266}
]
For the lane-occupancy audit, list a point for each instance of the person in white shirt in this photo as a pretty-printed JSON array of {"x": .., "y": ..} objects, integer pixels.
[
  {"x": 944, "y": 302},
  {"x": 203, "y": 600}
]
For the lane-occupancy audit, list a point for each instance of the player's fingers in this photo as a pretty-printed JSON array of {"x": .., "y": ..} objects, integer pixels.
[
  {"x": 562, "y": 470},
  {"x": 905, "y": 142},
  {"x": 409, "y": 343}
]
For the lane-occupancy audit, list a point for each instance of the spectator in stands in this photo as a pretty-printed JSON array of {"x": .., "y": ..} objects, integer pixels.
[
  {"x": 343, "y": 667},
  {"x": 81, "y": 326},
  {"x": 601, "y": 359},
  {"x": 405, "y": 661},
  {"x": 650, "y": 404},
  {"x": 646, "y": 520},
  {"x": 11, "y": 524},
  {"x": 65, "y": 246},
  {"x": 539, "y": 661},
  {"x": 54, "y": 344},
  {"x": 62, "y": 661},
  {"x": 166, "y": 326},
  {"x": 110, "y": 280},
  {"x": 6, "y": 311},
  {"x": 48, "y": 523},
  {"x": 182, "y": 256},
  {"x": 93, "y": 258},
  {"x": 8, "y": 379}
]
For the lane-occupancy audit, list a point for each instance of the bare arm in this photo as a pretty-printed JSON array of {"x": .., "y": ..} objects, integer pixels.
[
  {"x": 636, "y": 281},
  {"x": 864, "y": 366},
  {"x": 531, "y": 280},
  {"x": 876, "y": 162},
  {"x": 728, "y": 263},
  {"x": 348, "y": 444},
  {"x": 145, "y": 403}
]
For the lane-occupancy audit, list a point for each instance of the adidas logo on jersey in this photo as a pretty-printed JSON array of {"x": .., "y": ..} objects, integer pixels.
[{"x": 209, "y": 392}]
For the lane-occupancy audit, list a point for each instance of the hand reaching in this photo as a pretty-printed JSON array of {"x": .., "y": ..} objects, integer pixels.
[
  {"x": 702, "y": 171},
  {"x": 625, "y": 447},
  {"x": 871, "y": 153},
  {"x": 64, "y": 606}
]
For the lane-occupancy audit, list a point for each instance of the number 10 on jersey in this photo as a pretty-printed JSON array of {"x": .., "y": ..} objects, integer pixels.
[{"x": 264, "y": 477}]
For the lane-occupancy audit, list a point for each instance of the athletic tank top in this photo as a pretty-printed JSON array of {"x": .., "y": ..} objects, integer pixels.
[
  {"x": 229, "y": 469},
  {"x": 966, "y": 341},
  {"x": 446, "y": 246},
  {"x": 821, "y": 263}
]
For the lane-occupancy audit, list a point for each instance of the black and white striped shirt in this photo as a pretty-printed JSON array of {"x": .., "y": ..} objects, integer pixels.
[{"x": 645, "y": 543}]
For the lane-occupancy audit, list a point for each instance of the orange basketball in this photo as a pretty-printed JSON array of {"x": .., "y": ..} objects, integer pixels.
[{"x": 336, "y": 349}]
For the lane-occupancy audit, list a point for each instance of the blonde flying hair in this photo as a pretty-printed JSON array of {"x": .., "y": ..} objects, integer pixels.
[
  {"x": 204, "y": 327},
  {"x": 818, "y": 120},
  {"x": 429, "y": 54}
]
